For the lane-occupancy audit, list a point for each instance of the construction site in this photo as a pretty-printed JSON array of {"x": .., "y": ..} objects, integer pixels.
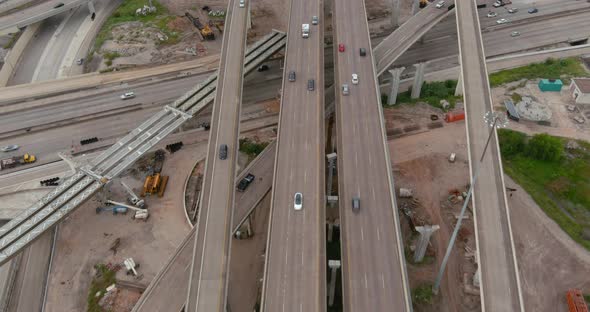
[{"x": 315, "y": 191}]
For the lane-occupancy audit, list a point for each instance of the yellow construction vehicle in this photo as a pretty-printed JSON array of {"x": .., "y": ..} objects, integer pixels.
[
  {"x": 205, "y": 30},
  {"x": 423, "y": 3},
  {"x": 155, "y": 184}
]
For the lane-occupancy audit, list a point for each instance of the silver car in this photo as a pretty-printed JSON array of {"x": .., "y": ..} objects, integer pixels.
[
  {"x": 9, "y": 148},
  {"x": 345, "y": 89}
]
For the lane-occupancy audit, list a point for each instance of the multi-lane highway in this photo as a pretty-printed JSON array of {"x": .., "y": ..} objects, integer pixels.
[
  {"x": 12, "y": 22},
  {"x": 294, "y": 273},
  {"x": 500, "y": 282},
  {"x": 374, "y": 273},
  {"x": 207, "y": 288}
]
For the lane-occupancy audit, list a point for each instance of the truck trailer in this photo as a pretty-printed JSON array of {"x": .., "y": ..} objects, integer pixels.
[{"x": 12, "y": 162}]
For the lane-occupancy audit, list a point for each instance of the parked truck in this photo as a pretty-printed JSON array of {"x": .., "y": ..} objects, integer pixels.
[
  {"x": 17, "y": 161},
  {"x": 305, "y": 30}
]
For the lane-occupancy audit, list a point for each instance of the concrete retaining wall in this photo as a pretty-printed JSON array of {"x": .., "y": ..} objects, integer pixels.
[{"x": 15, "y": 54}]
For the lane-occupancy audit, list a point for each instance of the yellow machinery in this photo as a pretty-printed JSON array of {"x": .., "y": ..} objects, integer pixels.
[
  {"x": 29, "y": 158},
  {"x": 155, "y": 184},
  {"x": 423, "y": 3}
]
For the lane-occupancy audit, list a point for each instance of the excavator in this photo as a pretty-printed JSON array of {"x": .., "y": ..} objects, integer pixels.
[
  {"x": 205, "y": 30},
  {"x": 423, "y": 3}
]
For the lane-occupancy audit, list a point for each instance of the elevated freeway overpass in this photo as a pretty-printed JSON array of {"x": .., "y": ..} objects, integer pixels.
[
  {"x": 16, "y": 21},
  {"x": 373, "y": 262},
  {"x": 500, "y": 287},
  {"x": 295, "y": 267}
]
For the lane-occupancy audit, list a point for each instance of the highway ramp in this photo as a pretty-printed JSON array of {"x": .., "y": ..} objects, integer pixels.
[
  {"x": 207, "y": 290},
  {"x": 499, "y": 282}
]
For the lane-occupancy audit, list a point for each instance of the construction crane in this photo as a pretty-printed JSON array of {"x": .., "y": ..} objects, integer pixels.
[
  {"x": 205, "y": 30},
  {"x": 133, "y": 198},
  {"x": 139, "y": 213}
]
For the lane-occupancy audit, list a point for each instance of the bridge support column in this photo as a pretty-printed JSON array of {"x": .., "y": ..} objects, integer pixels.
[
  {"x": 418, "y": 79},
  {"x": 331, "y": 168},
  {"x": 459, "y": 88},
  {"x": 425, "y": 233},
  {"x": 395, "y": 80},
  {"x": 334, "y": 266},
  {"x": 395, "y": 13}
]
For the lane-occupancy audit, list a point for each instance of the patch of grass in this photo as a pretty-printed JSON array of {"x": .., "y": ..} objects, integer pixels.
[
  {"x": 559, "y": 185},
  {"x": 126, "y": 13},
  {"x": 516, "y": 97},
  {"x": 104, "y": 278},
  {"x": 111, "y": 55},
  {"x": 587, "y": 298},
  {"x": 432, "y": 93},
  {"x": 251, "y": 148},
  {"x": 551, "y": 69},
  {"x": 422, "y": 295}
]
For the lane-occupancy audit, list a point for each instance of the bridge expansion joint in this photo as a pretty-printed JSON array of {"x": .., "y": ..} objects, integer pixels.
[{"x": 177, "y": 112}]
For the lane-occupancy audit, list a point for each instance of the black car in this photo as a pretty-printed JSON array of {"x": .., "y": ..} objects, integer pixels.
[
  {"x": 533, "y": 10},
  {"x": 245, "y": 182},
  {"x": 310, "y": 85},
  {"x": 292, "y": 76},
  {"x": 262, "y": 68},
  {"x": 363, "y": 51},
  {"x": 223, "y": 151}
]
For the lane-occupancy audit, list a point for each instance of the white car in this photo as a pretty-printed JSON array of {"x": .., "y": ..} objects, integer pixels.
[
  {"x": 298, "y": 201},
  {"x": 512, "y": 10},
  {"x": 127, "y": 95},
  {"x": 515, "y": 34},
  {"x": 502, "y": 21},
  {"x": 492, "y": 14},
  {"x": 355, "y": 79},
  {"x": 242, "y": 3},
  {"x": 10, "y": 148},
  {"x": 440, "y": 4}
]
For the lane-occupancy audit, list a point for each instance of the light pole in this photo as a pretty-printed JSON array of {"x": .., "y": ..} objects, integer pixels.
[{"x": 494, "y": 120}]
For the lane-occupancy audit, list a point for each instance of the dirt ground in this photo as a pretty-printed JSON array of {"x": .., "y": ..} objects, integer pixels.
[
  {"x": 549, "y": 261},
  {"x": 85, "y": 237},
  {"x": 420, "y": 162},
  {"x": 561, "y": 122}
]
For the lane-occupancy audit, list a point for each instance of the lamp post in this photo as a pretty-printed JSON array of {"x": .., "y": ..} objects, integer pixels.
[{"x": 494, "y": 120}]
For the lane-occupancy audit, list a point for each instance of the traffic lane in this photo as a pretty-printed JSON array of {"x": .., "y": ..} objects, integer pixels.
[
  {"x": 211, "y": 257},
  {"x": 48, "y": 67},
  {"x": 297, "y": 162},
  {"x": 17, "y": 17},
  {"x": 545, "y": 10},
  {"x": 538, "y": 34},
  {"x": 498, "y": 274},
  {"x": 365, "y": 179}
]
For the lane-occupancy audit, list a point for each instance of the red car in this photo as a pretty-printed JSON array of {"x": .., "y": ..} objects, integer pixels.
[{"x": 341, "y": 47}]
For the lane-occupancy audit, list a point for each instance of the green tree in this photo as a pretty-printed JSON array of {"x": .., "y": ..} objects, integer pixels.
[
  {"x": 512, "y": 143},
  {"x": 545, "y": 147}
]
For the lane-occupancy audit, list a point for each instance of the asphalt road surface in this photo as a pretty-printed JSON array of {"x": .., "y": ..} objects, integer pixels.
[
  {"x": 209, "y": 270},
  {"x": 295, "y": 274},
  {"x": 373, "y": 264},
  {"x": 10, "y": 22},
  {"x": 500, "y": 285}
]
